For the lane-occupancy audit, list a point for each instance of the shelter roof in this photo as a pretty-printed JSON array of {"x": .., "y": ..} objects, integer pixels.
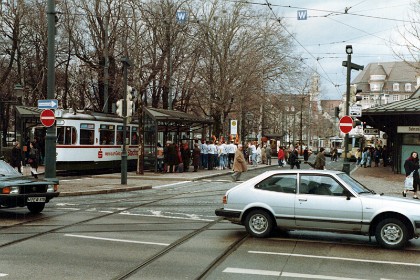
[{"x": 177, "y": 116}]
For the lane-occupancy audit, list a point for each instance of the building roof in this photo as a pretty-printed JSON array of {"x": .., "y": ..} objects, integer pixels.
[
  {"x": 178, "y": 116},
  {"x": 407, "y": 106},
  {"x": 397, "y": 71}
]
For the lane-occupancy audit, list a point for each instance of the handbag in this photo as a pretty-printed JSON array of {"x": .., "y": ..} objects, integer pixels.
[
  {"x": 30, "y": 160},
  {"x": 408, "y": 182}
]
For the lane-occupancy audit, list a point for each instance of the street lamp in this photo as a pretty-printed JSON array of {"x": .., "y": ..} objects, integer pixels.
[
  {"x": 19, "y": 91},
  {"x": 349, "y": 49}
]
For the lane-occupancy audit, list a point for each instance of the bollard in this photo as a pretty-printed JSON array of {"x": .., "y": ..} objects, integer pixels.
[{"x": 346, "y": 168}]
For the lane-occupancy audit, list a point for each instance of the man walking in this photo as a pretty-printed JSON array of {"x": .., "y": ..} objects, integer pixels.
[{"x": 239, "y": 164}]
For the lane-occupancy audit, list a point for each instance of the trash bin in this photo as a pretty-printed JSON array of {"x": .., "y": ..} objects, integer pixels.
[{"x": 346, "y": 168}]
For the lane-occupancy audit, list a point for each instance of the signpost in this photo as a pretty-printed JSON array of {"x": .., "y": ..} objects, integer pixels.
[
  {"x": 48, "y": 104},
  {"x": 346, "y": 124},
  {"x": 47, "y": 118},
  {"x": 356, "y": 111}
]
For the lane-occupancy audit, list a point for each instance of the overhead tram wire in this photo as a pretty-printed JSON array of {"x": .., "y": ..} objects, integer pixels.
[{"x": 300, "y": 44}]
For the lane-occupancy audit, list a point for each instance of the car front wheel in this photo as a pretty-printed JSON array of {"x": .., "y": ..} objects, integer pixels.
[
  {"x": 35, "y": 208},
  {"x": 259, "y": 223},
  {"x": 391, "y": 233}
]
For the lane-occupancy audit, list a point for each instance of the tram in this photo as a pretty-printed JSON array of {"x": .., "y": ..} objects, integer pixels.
[
  {"x": 89, "y": 140},
  {"x": 334, "y": 142}
]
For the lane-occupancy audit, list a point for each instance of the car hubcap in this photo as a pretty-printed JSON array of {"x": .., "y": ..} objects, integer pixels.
[
  {"x": 259, "y": 223},
  {"x": 391, "y": 233}
]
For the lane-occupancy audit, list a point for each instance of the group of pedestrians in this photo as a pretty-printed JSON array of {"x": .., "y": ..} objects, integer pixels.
[
  {"x": 258, "y": 154},
  {"x": 375, "y": 155},
  {"x": 33, "y": 159}
]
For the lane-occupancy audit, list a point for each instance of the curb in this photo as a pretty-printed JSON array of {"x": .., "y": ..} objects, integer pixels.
[{"x": 105, "y": 191}]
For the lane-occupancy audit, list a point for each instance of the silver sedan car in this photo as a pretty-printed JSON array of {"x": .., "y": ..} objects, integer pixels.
[{"x": 320, "y": 200}]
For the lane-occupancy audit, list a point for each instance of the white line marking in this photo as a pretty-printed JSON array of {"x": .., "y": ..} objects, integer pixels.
[
  {"x": 170, "y": 185},
  {"x": 167, "y": 217},
  {"x": 334, "y": 258},
  {"x": 251, "y": 271},
  {"x": 3, "y": 274},
  {"x": 116, "y": 240},
  {"x": 284, "y": 274}
]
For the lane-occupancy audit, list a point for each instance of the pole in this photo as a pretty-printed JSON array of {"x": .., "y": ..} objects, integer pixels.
[
  {"x": 346, "y": 164},
  {"x": 50, "y": 148},
  {"x": 126, "y": 64}
]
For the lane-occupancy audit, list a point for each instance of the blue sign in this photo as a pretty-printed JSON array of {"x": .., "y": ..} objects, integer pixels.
[
  {"x": 48, "y": 104},
  {"x": 181, "y": 17},
  {"x": 302, "y": 14}
]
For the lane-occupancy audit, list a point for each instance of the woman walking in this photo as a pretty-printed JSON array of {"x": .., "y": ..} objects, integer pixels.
[{"x": 411, "y": 166}]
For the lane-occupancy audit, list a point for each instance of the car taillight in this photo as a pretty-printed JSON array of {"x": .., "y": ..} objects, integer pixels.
[{"x": 225, "y": 199}]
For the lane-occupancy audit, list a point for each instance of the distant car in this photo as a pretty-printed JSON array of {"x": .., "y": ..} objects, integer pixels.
[
  {"x": 320, "y": 200},
  {"x": 17, "y": 190}
]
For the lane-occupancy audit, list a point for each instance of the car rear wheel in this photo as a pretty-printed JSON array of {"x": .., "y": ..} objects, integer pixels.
[
  {"x": 35, "y": 208},
  {"x": 259, "y": 223},
  {"x": 391, "y": 233}
]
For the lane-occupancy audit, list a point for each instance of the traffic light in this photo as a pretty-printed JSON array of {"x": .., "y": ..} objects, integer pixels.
[
  {"x": 356, "y": 122},
  {"x": 354, "y": 97},
  {"x": 130, "y": 102},
  {"x": 119, "y": 107},
  {"x": 340, "y": 110}
]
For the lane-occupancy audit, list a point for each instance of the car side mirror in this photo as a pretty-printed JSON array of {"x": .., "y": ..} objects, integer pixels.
[{"x": 348, "y": 194}]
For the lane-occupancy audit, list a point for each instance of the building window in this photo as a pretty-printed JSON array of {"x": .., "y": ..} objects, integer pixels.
[
  {"x": 374, "y": 87},
  {"x": 407, "y": 87},
  {"x": 396, "y": 87},
  {"x": 395, "y": 97},
  {"x": 406, "y": 96}
]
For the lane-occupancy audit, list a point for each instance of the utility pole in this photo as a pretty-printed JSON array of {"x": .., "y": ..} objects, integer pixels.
[
  {"x": 50, "y": 138},
  {"x": 349, "y": 65},
  {"x": 126, "y": 64}
]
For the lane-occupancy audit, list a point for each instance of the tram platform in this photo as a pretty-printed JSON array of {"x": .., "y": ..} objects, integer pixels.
[{"x": 380, "y": 179}]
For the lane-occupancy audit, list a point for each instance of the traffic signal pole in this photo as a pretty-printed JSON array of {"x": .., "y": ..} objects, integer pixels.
[
  {"x": 346, "y": 164},
  {"x": 126, "y": 64}
]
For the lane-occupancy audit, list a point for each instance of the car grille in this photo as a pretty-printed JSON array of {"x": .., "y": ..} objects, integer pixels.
[{"x": 34, "y": 189}]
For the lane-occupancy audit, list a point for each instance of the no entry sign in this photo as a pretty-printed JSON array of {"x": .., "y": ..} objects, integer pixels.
[
  {"x": 47, "y": 118},
  {"x": 346, "y": 124}
]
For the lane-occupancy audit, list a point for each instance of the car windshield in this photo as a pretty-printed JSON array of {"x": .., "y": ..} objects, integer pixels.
[
  {"x": 356, "y": 186},
  {"x": 6, "y": 169}
]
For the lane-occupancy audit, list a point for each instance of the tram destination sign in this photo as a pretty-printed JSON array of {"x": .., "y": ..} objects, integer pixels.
[{"x": 48, "y": 104}]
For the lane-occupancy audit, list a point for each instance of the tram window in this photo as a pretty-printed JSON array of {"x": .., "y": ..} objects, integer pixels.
[
  {"x": 120, "y": 136},
  {"x": 87, "y": 134},
  {"x": 107, "y": 134},
  {"x": 134, "y": 136},
  {"x": 66, "y": 135}
]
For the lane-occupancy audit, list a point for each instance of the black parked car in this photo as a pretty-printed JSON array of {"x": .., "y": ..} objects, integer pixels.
[{"x": 17, "y": 190}]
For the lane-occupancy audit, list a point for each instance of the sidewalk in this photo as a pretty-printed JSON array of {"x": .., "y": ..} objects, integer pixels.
[{"x": 380, "y": 179}]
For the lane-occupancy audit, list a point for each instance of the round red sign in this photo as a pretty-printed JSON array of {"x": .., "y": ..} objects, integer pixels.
[
  {"x": 47, "y": 118},
  {"x": 346, "y": 124}
]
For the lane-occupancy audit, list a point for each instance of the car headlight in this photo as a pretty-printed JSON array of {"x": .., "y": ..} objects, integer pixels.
[
  {"x": 11, "y": 190},
  {"x": 52, "y": 188}
]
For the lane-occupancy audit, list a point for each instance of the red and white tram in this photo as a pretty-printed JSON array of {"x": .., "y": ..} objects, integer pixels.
[{"x": 90, "y": 140}]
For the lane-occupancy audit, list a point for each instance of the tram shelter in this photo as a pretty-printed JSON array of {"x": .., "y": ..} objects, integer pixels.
[
  {"x": 25, "y": 118},
  {"x": 161, "y": 125}
]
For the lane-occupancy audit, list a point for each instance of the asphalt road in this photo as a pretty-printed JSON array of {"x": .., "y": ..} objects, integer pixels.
[{"x": 171, "y": 232}]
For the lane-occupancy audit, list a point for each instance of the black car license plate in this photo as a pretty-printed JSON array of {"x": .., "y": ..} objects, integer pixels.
[{"x": 36, "y": 199}]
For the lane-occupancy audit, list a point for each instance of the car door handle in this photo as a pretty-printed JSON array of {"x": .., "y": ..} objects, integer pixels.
[{"x": 303, "y": 199}]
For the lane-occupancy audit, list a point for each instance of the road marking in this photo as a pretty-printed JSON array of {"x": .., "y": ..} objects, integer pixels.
[
  {"x": 158, "y": 214},
  {"x": 284, "y": 274},
  {"x": 116, "y": 240},
  {"x": 3, "y": 274},
  {"x": 333, "y": 258},
  {"x": 170, "y": 185}
]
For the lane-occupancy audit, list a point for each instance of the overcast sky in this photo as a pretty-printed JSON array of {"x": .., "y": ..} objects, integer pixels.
[{"x": 369, "y": 26}]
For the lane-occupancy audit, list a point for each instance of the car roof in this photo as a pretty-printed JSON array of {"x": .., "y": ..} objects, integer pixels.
[{"x": 304, "y": 171}]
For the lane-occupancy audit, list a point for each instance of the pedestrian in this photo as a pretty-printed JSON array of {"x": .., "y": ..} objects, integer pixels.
[
  {"x": 411, "y": 166},
  {"x": 320, "y": 160},
  {"x": 268, "y": 153},
  {"x": 306, "y": 154},
  {"x": 294, "y": 159},
  {"x": 280, "y": 156},
  {"x": 204, "y": 154},
  {"x": 231, "y": 149},
  {"x": 263, "y": 154},
  {"x": 254, "y": 154},
  {"x": 33, "y": 159},
  {"x": 212, "y": 154},
  {"x": 385, "y": 156},
  {"x": 364, "y": 159},
  {"x": 239, "y": 164},
  {"x": 358, "y": 156},
  {"x": 173, "y": 160},
  {"x": 196, "y": 154},
  {"x": 17, "y": 157},
  {"x": 159, "y": 157},
  {"x": 186, "y": 156},
  {"x": 376, "y": 156}
]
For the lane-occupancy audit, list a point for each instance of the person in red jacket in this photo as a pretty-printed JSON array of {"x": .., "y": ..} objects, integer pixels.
[{"x": 280, "y": 156}]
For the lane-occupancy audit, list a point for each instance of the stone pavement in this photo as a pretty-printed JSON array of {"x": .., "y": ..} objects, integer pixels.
[{"x": 380, "y": 179}]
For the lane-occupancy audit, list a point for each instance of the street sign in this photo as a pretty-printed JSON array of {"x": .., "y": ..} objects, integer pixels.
[
  {"x": 47, "y": 118},
  {"x": 346, "y": 124},
  {"x": 371, "y": 131},
  {"x": 356, "y": 111},
  {"x": 48, "y": 104}
]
